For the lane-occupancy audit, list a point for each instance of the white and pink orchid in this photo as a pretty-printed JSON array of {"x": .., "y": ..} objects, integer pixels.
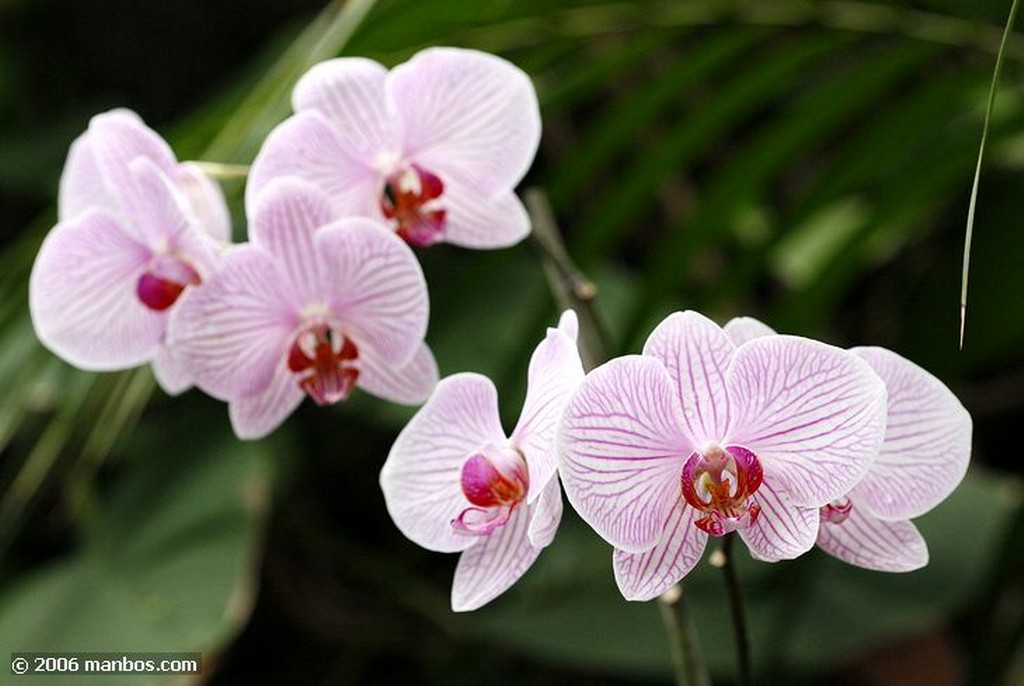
[
  {"x": 923, "y": 458},
  {"x": 698, "y": 437},
  {"x": 433, "y": 147},
  {"x": 310, "y": 306},
  {"x": 136, "y": 229},
  {"x": 454, "y": 482}
]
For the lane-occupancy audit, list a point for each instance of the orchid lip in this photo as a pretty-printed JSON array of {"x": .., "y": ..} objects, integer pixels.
[
  {"x": 162, "y": 284},
  {"x": 410, "y": 199},
  {"x": 495, "y": 481},
  {"x": 721, "y": 482},
  {"x": 836, "y": 511},
  {"x": 324, "y": 361}
]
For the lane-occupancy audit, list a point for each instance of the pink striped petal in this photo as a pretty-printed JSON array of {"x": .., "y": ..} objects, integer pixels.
[
  {"x": 622, "y": 450},
  {"x": 308, "y": 147},
  {"x": 866, "y": 541},
  {"x": 480, "y": 221},
  {"x": 494, "y": 563},
  {"x": 743, "y": 329},
  {"x": 81, "y": 185},
  {"x": 421, "y": 478},
  {"x": 555, "y": 372},
  {"x": 376, "y": 287},
  {"x": 927, "y": 441},
  {"x": 170, "y": 372},
  {"x": 207, "y": 202},
  {"x": 410, "y": 384},
  {"x": 82, "y": 295},
  {"x": 813, "y": 414},
  {"x": 160, "y": 212},
  {"x": 233, "y": 331},
  {"x": 350, "y": 92},
  {"x": 468, "y": 115},
  {"x": 254, "y": 416},
  {"x": 545, "y": 515},
  {"x": 289, "y": 212},
  {"x": 696, "y": 353},
  {"x": 646, "y": 575},
  {"x": 782, "y": 530}
]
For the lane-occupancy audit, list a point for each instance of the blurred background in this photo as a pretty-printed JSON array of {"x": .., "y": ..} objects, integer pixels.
[{"x": 807, "y": 163}]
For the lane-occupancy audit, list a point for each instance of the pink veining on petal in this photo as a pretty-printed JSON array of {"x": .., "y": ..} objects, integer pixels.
[
  {"x": 410, "y": 200},
  {"x": 720, "y": 483},
  {"x": 323, "y": 359}
]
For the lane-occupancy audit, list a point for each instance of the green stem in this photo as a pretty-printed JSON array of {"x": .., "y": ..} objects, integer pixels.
[
  {"x": 220, "y": 170},
  {"x": 689, "y": 668},
  {"x": 722, "y": 558},
  {"x": 977, "y": 169}
]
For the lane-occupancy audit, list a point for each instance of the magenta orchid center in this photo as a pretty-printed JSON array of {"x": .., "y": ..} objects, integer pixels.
[
  {"x": 410, "y": 201},
  {"x": 720, "y": 483},
  {"x": 495, "y": 480},
  {"x": 161, "y": 285},
  {"x": 324, "y": 361},
  {"x": 836, "y": 511}
]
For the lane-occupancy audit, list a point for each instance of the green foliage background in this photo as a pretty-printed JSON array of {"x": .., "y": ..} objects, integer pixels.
[{"x": 805, "y": 162}]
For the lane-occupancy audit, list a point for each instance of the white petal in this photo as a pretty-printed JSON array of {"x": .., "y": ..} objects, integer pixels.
[
  {"x": 466, "y": 114},
  {"x": 350, "y": 92},
  {"x": 306, "y": 146},
  {"x": 480, "y": 221},
  {"x": 696, "y": 353},
  {"x": 927, "y": 440},
  {"x": 233, "y": 331},
  {"x": 255, "y": 416},
  {"x": 622, "y": 451},
  {"x": 782, "y": 531},
  {"x": 410, "y": 384},
  {"x": 421, "y": 477},
  {"x": 207, "y": 201},
  {"x": 545, "y": 516},
  {"x": 866, "y": 541},
  {"x": 82, "y": 295},
  {"x": 493, "y": 564},
  {"x": 643, "y": 576},
  {"x": 554, "y": 374},
  {"x": 813, "y": 414},
  {"x": 170, "y": 373},
  {"x": 377, "y": 289},
  {"x": 743, "y": 329}
]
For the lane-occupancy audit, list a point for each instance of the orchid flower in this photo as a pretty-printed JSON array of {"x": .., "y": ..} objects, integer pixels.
[
  {"x": 454, "y": 482},
  {"x": 923, "y": 458},
  {"x": 136, "y": 229},
  {"x": 697, "y": 437},
  {"x": 310, "y": 307},
  {"x": 434, "y": 147}
]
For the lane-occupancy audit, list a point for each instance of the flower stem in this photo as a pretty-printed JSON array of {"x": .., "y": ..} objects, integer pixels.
[
  {"x": 219, "y": 170},
  {"x": 689, "y": 668},
  {"x": 722, "y": 558}
]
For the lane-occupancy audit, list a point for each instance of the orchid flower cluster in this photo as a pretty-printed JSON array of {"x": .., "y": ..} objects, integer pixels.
[{"x": 785, "y": 441}]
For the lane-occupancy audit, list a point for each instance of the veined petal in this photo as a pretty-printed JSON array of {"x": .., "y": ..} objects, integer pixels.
[
  {"x": 207, "y": 201},
  {"x": 159, "y": 212},
  {"x": 115, "y": 140},
  {"x": 743, "y": 329},
  {"x": 480, "y": 221},
  {"x": 288, "y": 214},
  {"x": 233, "y": 331},
  {"x": 81, "y": 186},
  {"x": 782, "y": 530},
  {"x": 170, "y": 373},
  {"x": 377, "y": 289},
  {"x": 545, "y": 515},
  {"x": 254, "y": 416},
  {"x": 494, "y": 563},
  {"x": 813, "y": 414},
  {"x": 410, "y": 384},
  {"x": 866, "y": 541},
  {"x": 622, "y": 450},
  {"x": 350, "y": 92},
  {"x": 555, "y": 372},
  {"x": 646, "y": 575},
  {"x": 421, "y": 478},
  {"x": 306, "y": 146},
  {"x": 927, "y": 440},
  {"x": 82, "y": 295},
  {"x": 696, "y": 353},
  {"x": 468, "y": 114}
]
